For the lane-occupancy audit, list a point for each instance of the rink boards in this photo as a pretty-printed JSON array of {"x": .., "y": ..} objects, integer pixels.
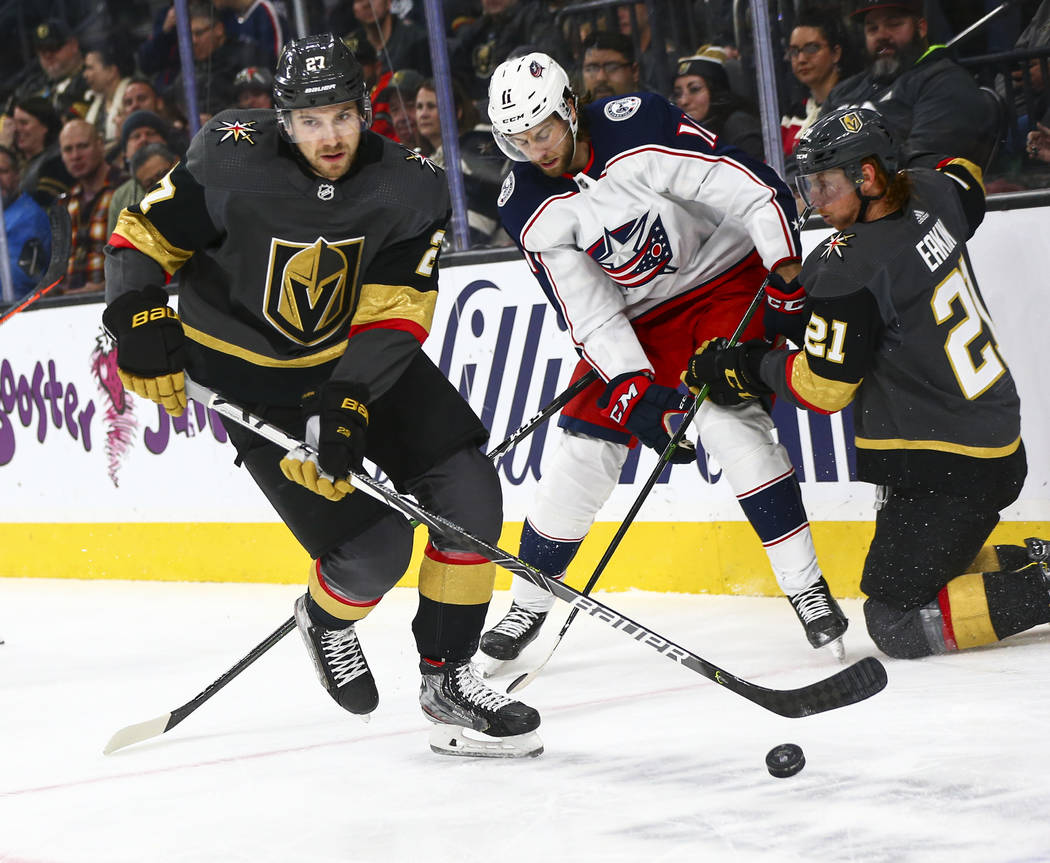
[{"x": 97, "y": 487}]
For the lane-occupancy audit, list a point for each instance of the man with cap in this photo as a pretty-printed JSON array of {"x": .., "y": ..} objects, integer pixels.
[
  {"x": 253, "y": 87},
  {"x": 141, "y": 128},
  {"x": 930, "y": 103},
  {"x": 395, "y": 106},
  {"x": 59, "y": 77}
]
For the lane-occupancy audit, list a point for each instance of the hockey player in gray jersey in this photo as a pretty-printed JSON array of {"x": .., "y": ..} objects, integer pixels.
[
  {"x": 305, "y": 251},
  {"x": 896, "y": 324}
]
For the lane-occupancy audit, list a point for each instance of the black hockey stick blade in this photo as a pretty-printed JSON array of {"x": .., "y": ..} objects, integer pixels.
[
  {"x": 165, "y": 722},
  {"x": 61, "y": 241},
  {"x": 855, "y": 683}
]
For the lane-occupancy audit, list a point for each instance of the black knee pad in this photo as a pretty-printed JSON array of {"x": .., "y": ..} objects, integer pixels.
[
  {"x": 367, "y": 566},
  {"x": 902, "y": 634}
]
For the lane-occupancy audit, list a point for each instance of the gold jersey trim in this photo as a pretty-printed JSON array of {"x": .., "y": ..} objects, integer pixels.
[
  {"x": 144, "y": 236},
  {"x": 940, "y": 446},
  {"x": 457, "y": 584},
  {"x": 824, "y": 393},
  {"x": 316, "y": 359},
  {"x": 379, "y": 303},
  {"x": 971, "y": 622},
  {"x": 971, "y": 168}
]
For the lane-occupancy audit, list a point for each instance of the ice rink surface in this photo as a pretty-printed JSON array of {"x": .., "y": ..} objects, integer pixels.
[{"x": 644, "y": 761}]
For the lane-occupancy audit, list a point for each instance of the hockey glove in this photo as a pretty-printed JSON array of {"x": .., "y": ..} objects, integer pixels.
[
  {"x": 785, "y": 307},
  {"x": 731, "y": 373},
  {"x": 645, "y": 409},
  {"x": 337, "y": 421},
  {"x": 151, "y": 346}
]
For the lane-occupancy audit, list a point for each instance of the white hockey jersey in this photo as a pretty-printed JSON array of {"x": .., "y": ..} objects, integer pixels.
[{"x": 660, "y": 209}]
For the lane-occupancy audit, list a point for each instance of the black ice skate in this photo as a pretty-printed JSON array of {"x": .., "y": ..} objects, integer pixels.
[
  {"x": 508, "y": 638},
  {"x": 339, "y": 662},
  {"x": 1039, "y": 553},
  {"x": 453, "y": 696},
  {"x": 821, "y": 617}
]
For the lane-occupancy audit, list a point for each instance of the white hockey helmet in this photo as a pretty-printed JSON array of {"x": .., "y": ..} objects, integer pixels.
[{"x": 525, "y": 91}]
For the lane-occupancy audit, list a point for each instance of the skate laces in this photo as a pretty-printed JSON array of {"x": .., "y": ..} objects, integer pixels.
[
  {"x": 811, "y": 603},
  {"x": 343, "y": 654},
  {"x": 517, "y": 621},
  {"x": 475, "y": 691}
]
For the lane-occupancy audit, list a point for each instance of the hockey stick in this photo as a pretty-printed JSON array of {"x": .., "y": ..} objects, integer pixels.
[
  {"x": 154, "y": 727},
  {"x": 854, "y": 683},
  {"x": 523, "y": 680},
  {"x": 61, "y": 241}
]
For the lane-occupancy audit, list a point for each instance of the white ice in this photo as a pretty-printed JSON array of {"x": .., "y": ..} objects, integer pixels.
[{"x": 645, "y": 760}]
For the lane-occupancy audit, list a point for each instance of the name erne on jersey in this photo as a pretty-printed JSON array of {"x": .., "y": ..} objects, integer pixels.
[{"x": 937, "y": 246}]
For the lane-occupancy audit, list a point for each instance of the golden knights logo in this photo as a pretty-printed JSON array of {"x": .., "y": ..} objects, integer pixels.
[
  {"x": 311, "y": 288},
  {"x": 851, "y": 122}
]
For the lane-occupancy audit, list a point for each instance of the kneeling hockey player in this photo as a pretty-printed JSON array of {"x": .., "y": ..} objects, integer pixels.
[{"x": 896, "y": 324}]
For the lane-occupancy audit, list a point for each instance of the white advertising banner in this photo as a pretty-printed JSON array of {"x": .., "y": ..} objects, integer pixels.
[{"x": 73, "y": 448}]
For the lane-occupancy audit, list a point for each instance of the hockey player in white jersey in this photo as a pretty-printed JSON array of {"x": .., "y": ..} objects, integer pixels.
[{"x": 649, "y": 238}]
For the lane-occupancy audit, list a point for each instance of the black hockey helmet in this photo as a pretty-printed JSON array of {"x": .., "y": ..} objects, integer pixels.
[
  {"x": 319, "y": 70},
  {"x": 843, "y": 139}
]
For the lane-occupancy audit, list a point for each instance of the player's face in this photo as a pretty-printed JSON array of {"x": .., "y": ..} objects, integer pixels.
[
  {"x": 549, "y": 146},
  {"x": 692, "y": 96},
  {"x": 832, "y": 194},
  {"x": 327, "y": 136}
]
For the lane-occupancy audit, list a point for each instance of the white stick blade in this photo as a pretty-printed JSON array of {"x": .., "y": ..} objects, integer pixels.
[{"x": 137, "y": 733}]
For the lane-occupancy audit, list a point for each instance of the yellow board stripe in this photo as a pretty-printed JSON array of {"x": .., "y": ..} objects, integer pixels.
[
  {"x": 457, "y": 584},
  {"x": 969, "y": 609},
  {"x": 679, "y": 557}
]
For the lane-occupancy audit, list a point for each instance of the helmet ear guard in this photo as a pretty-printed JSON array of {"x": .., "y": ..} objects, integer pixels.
[{"x": 525, "y": 91}]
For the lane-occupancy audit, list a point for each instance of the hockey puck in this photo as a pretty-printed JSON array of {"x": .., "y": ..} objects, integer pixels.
[{"x": 785, "y": 760}]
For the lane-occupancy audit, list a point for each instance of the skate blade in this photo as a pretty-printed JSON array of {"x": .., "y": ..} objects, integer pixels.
[
  {"x": 454, "y": 740},
  {"x": 487, "y": 666},
  {"x": 838, "y": 649}
]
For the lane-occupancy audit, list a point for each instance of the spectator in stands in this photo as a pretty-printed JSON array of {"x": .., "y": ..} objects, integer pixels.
[
  {"x": 107, "y": 70},
  {"x": 88, "y": 204},
  {"x": 395, "y": 108},
  {"x": 481, "y": 162},
  {"x": 608, "y": 66},
  {"x": 398, "y": 44},
  {"x": 478, "y": 47},
  {"x": 158, "y": 56},
  {"x": 141, "y": 95},
  {"x": 633, "y": 20},
  {"x": 36, "y": 127},
  {"x": 253, "y": 87},
  {"x": 217, "y": 58},
  {"x": 261, "y": 22},
  {"x": 818, "y": 49},
  {"x": 930, "y": 103},
  {"x": 150, "y": 164},
  {"x": 59, "y": 77},
  {"x": 141, "y": 129},
  {"x": 366, "y": 55},
  {"x": 701, "y": 90},
  {"x": 26, "y": 226}
]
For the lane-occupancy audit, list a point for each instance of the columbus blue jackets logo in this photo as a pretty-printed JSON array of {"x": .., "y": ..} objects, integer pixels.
[
  {"x": 621, "y": 109},
  {"x": 535, "y": 69},
  {"x": 311, "y": 288},
  {"x": 635, "y": 253}
]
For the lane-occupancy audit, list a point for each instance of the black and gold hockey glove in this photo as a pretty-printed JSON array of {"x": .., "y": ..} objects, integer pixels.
[
  {"x": 731, "y": 373},
  {"x": 151, "y": 346},
  {"x": 336, "y": 427}
]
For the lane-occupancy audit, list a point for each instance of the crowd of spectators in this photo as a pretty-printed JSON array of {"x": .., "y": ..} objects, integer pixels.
[{"x": 99, "y": 110}]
